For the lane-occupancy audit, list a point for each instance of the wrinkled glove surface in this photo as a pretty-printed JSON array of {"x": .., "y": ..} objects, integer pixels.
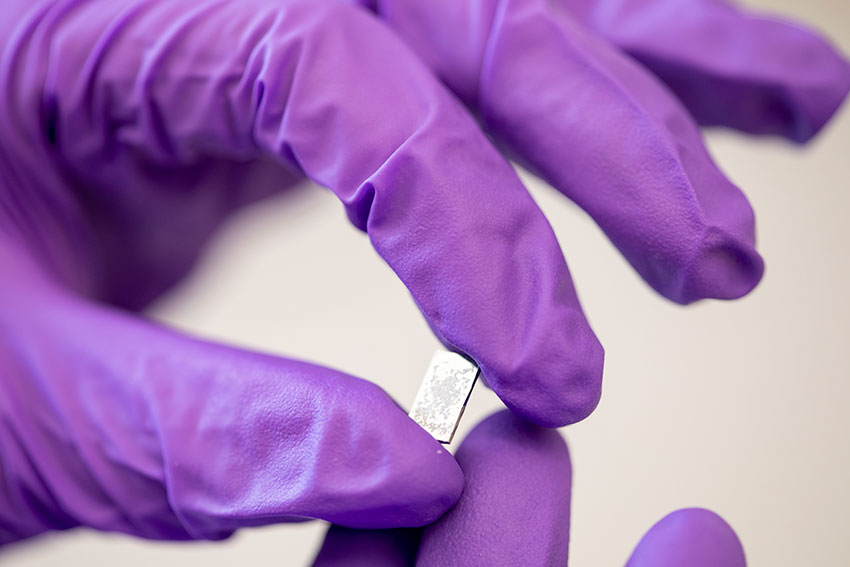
[
  {"x": 515, "y": 510},
  {"x": 130, "y": 128},
  {"x": 602, "y": 99}
]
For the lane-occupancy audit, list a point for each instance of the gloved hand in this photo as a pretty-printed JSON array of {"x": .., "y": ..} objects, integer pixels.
[
  {"x": 130, "y": 128},
  {"x": 515, "y": 510}
]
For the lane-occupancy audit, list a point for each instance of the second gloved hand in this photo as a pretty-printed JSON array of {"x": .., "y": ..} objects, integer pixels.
[{"x": 515, "y": 510}]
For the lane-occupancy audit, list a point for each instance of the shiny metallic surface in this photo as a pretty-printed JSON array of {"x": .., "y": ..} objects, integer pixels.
[{"x": 442, "y": 397}]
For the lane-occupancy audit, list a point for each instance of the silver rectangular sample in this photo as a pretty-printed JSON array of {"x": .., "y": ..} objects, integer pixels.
[{"x": 442, "y": 397}]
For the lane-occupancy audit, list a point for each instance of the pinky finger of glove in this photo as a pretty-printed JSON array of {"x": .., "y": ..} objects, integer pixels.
[{"x": 694, "y": 537}]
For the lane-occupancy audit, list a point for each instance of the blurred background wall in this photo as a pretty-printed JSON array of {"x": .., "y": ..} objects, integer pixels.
[{"x": 739, "y": 407}]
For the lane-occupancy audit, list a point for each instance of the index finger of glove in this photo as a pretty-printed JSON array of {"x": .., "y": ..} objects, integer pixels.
[{"x": 325, "y": 88}]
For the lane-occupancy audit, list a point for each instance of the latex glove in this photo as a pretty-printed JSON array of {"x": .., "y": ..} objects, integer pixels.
[
  {"x": 114, "y": 423},
  {"x": 555, "y": 84},
  {"x": 128, "y": 129},
  {"x": 131, "y": 127},
  {"x": 515, "y": 510}
]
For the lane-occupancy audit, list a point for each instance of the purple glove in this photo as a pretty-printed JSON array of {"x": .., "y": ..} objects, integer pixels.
[
  {"x": 111, "y": 422},
  {"x": 131, "y": 128},
  {"x": 515, "y": 510},
  {"x": 559, "y": 98}
]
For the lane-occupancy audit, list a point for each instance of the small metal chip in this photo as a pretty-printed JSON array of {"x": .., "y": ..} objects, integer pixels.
[{"x": 442, "y": 397}]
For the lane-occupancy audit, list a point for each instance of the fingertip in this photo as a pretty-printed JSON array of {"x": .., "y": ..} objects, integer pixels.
[
  {"x": 562, "y": 386},
  {"x": 723, "y": 268},
  {"x": 426, "y": 475},
  {"x": 436, "y": 476},
  {"x": 692, "y": 536},
  {"x": 417, "y": 481},
  {"x": 554, "y": 408}
]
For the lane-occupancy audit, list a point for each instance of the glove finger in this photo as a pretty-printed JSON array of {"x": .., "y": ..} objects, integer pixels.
[
  {"x": 324, "y": 87},
  {"x": 610, "y": 137},
  {"x": 694, "y": 537},
  {"x": 346, "y": 547},
  {"x": 730, "y": 67},
  {"x": 601, "y": 130},
  {"x": 515, "y": 474},
  {"x": 112, "y": 422}
]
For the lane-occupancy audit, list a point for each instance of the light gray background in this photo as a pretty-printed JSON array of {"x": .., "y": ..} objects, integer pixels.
[{"x": 739, "y": 407}]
